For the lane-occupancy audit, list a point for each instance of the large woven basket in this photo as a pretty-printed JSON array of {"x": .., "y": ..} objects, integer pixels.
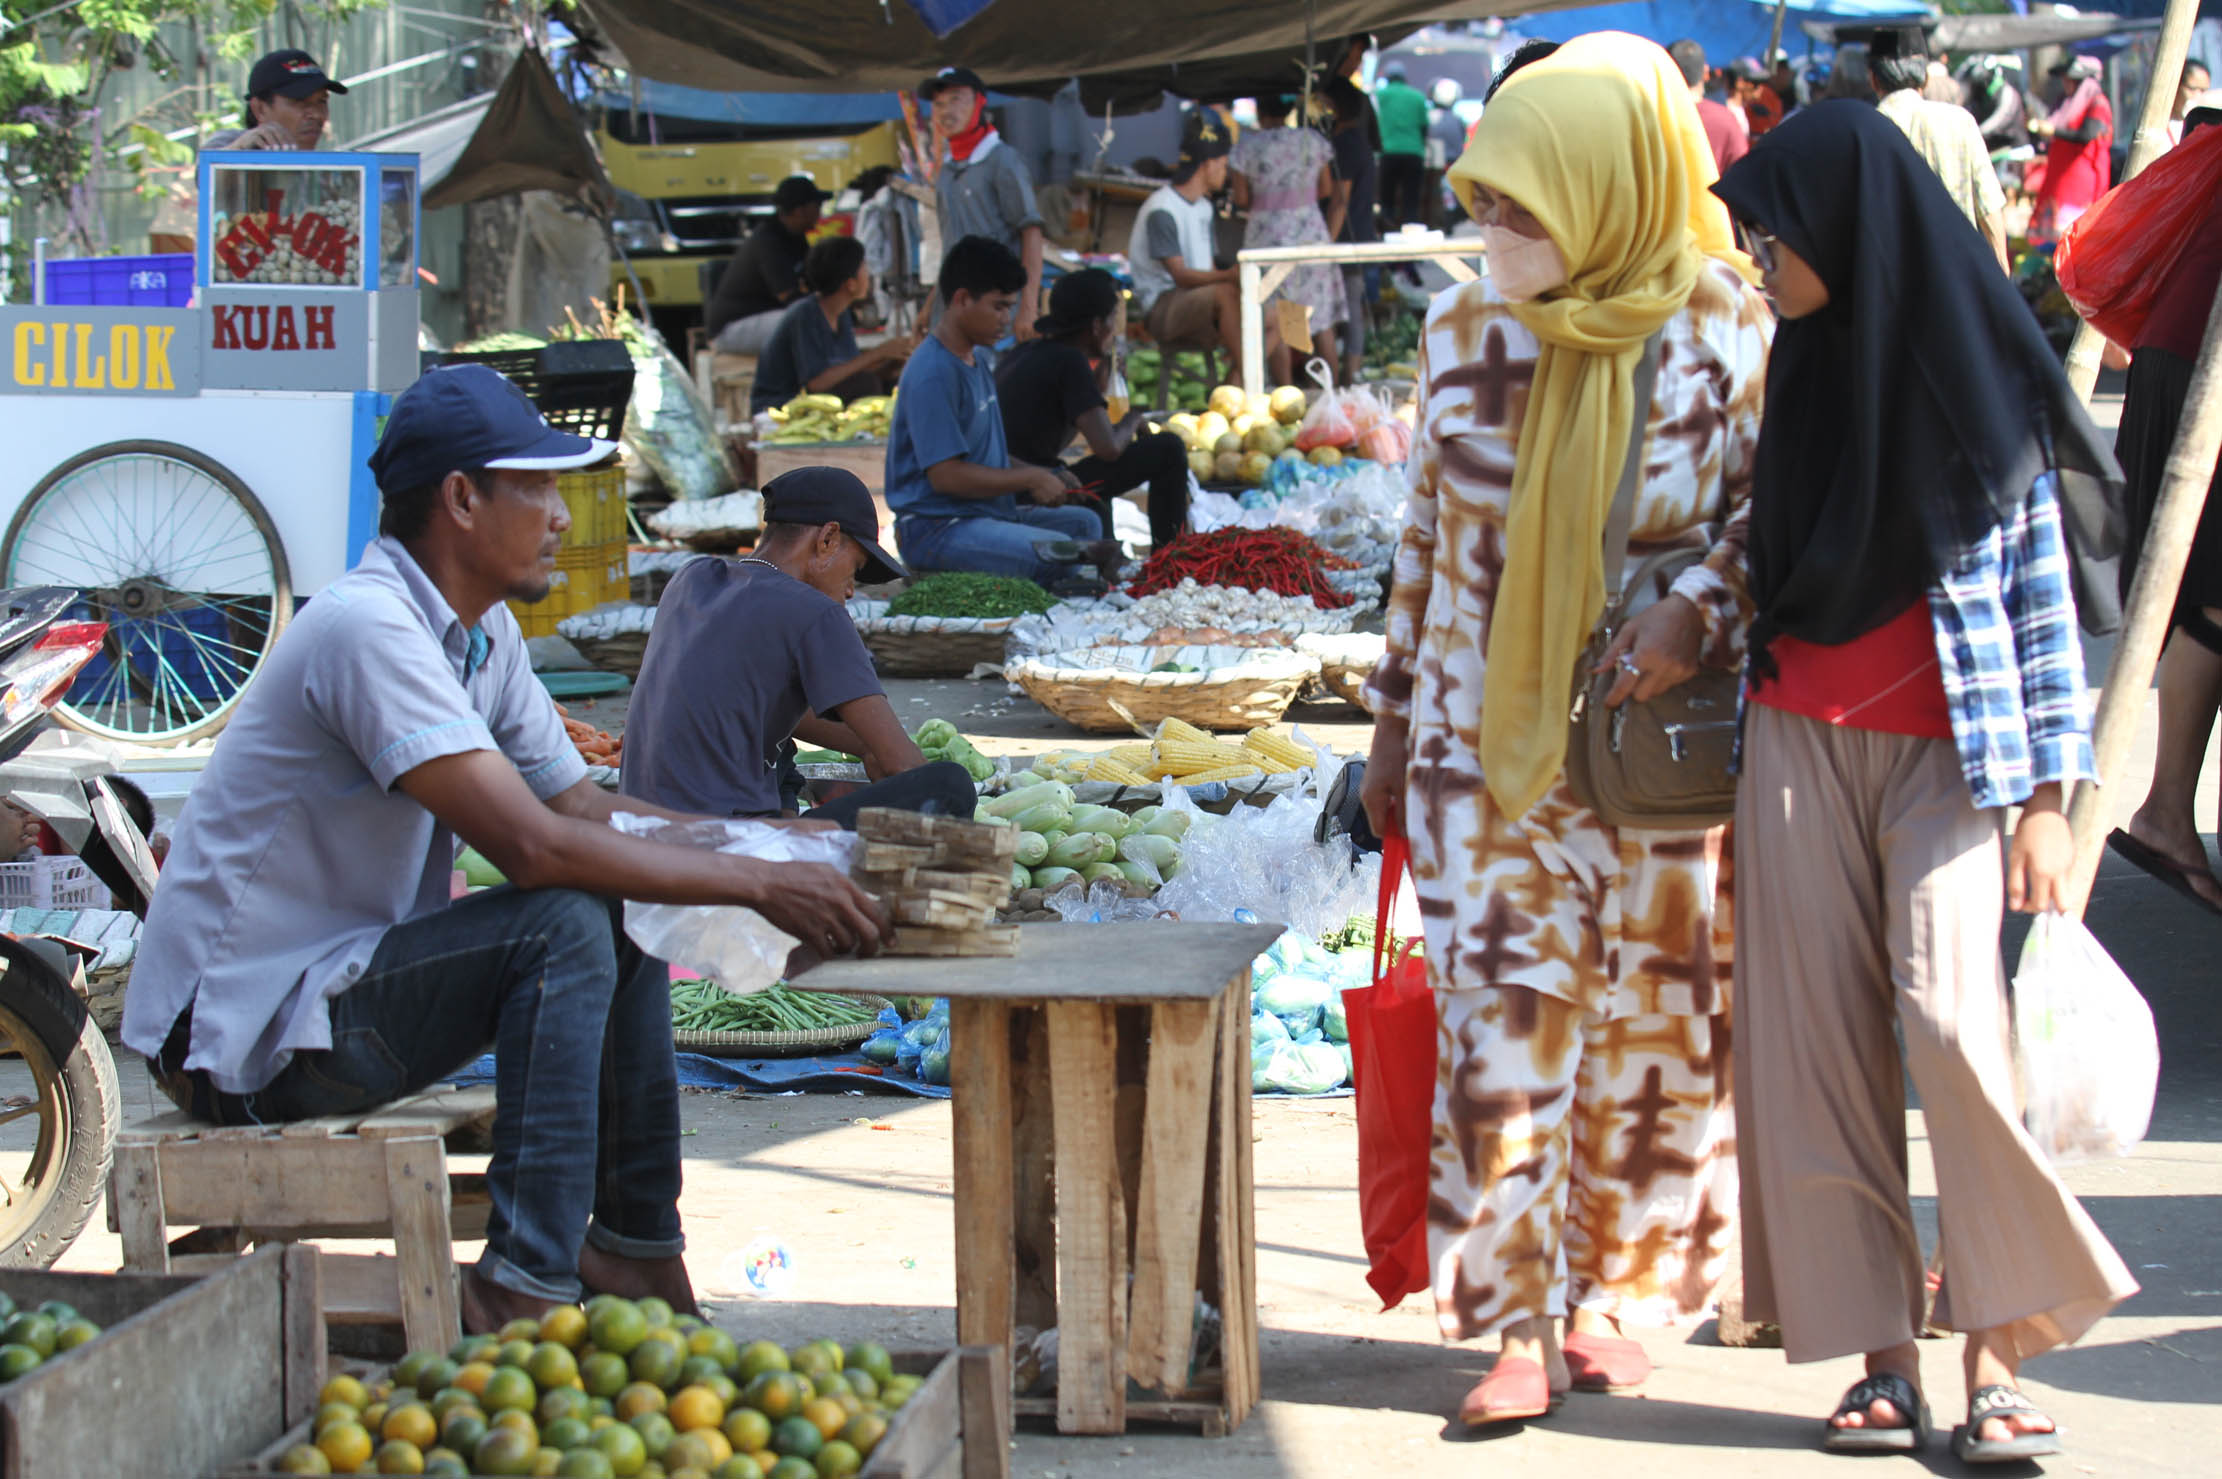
[
  {"x": 783, "y": 1044},
  {"x": 1345, "y": 662},
  {"x": 934, "y": 646},
  {"x": 613, "y": 638},
  {"x": 619, "y": 654},
  {"x": 1112, "y": 690}
]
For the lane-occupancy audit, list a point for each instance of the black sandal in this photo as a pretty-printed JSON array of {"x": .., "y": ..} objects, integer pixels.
[
  {"x": 2000, "y": 1401},
  {"x": 1890, "y": 1387}
]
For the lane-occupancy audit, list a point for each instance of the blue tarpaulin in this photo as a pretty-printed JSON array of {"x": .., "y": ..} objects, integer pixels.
[
  {"x": 1727, "y": 29},
  {"x": 943, "y": 16},
  {"x": 759, "y": 109}
]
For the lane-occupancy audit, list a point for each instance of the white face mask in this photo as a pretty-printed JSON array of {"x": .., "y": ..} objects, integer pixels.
[{"x": 1522, "y": 267}]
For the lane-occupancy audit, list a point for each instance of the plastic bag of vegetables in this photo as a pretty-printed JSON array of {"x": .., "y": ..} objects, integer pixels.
[
  {"x": 1301, "y": 1068},
  {"x": 1298, "y": 998}
]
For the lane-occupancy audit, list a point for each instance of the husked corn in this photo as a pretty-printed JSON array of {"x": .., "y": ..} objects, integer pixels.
[
  {"x": 1181, "y": 729},
  {"x": 1223, "y": 773},
  {"x": 1185, "y": 756},
  {"x": 1136, "y": 757},
  {"x": 1292, "y": 755},
  {"x": 1108, "y": 769}
]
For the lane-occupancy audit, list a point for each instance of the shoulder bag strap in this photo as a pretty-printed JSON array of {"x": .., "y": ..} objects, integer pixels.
[{"x": 1620, "y": 520}]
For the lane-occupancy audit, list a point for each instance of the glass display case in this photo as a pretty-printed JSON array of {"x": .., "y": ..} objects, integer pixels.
[{"x": 307, "y": 221}]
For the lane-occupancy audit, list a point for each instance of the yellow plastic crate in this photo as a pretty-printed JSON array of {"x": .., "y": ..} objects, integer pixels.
[
  {"x": 596, "y": 498},
  {"x": 586, "y": 576}
]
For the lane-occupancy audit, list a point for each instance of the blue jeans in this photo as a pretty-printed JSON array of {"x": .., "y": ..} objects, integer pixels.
[
  {"x": 587, "y": 1123},
  {"x": 997, "y": 546}
]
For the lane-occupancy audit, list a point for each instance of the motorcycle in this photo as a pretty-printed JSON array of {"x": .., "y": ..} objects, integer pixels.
[{"x": 43, "y": 1020}]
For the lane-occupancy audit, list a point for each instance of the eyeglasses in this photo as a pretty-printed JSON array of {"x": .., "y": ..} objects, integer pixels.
[{"x": 1762, "y": 247}]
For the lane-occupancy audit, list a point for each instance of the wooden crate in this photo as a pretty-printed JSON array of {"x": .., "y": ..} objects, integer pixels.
[
  {"x": 967, "y": 1391},
  {"x": 189, "y": 1374},
  {"x": 868, "y": 460}
]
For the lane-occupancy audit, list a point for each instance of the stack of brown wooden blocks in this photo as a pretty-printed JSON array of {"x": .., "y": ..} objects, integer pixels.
[{"x": 941, "y": 878}]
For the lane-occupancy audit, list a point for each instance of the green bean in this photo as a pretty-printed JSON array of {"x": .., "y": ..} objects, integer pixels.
[{"x": 704, "y": 1006}]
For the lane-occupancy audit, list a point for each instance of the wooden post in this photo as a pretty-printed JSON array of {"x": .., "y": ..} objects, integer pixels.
[
  {"x": 1253, "y": 328},
  {"x": 2147, "y": 145},
  {"x": 1774, "y": 42},
  {"x": 2152, "y": 598}
]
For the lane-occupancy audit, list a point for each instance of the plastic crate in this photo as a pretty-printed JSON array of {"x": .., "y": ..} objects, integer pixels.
[
  {"x": 596, "y": 498},
  {"x": 586, "y": 576},
  {"x": 52, "y": 883},
  {"x": 161, "y": 281},
  {"x": 580, "y": 385}
]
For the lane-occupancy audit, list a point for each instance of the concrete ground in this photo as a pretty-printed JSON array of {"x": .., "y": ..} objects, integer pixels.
[{"x": 858, "y": 1188}]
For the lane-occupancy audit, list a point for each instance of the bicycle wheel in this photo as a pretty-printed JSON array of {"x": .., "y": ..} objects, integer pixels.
[{"x": 180, "y": 559}]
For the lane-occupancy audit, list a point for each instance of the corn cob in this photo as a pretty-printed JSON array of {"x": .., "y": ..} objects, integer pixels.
[
  {"x": 1265, "y": 742},
  {"x": 1179, "y": 729},
  {"x": 1185, "y": 757},
  {"x": 1223, "y": 773},
  {"x": 1108, "y": 769},
  {"x": 1134, "y": 757}
]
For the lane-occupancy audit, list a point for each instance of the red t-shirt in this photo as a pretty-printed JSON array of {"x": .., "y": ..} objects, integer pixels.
[
  {"x": 1886, "y": 680},
  {"x": 1762, "y": 110},
  {"x": 1728, "y": 138}
]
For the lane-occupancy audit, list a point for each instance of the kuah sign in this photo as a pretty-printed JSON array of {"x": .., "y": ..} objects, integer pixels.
[{"x": 275, "y": 327}]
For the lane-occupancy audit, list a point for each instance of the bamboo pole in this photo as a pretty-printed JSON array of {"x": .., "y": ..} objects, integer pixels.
[
  {"x": 2152, "y": 598},
  {"x": 2147, "y": 145},
  {"x": 1774, "y": 42}
]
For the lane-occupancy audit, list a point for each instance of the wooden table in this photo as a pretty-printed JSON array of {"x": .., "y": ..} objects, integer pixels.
[
  {"x": 1101, "y": 1083},
  {"x": 1262, "y": 269}
]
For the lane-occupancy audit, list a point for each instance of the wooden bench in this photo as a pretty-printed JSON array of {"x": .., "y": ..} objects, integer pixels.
[
  {"x": 1101, "y": 1119},
  {"x": 385, "y": 1174}
]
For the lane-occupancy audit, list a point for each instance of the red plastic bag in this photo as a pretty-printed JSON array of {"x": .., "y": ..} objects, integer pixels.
[
  {"x": 1392, "y": 1060},
  {"x": 2113, "y": 258}
]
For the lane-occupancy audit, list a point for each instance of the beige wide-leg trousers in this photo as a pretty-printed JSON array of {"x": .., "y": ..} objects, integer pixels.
[{"x": 1869, "y": 892}]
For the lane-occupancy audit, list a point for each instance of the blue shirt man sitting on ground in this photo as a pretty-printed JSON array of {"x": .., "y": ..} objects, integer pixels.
[{"x": 959, "y": 503}]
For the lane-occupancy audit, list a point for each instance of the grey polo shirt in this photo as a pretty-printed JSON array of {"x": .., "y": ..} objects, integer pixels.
[
  {"x": 991, "y": 194},
  {"x": 295, "y": 852}
]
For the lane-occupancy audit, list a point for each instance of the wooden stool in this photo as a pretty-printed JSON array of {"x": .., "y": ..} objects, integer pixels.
[
  {"x": 1101, "y": 1082},
  {"x": 384, "y": 1174}
]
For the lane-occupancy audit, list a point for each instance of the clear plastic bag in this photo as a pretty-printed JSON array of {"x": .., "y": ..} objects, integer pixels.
[
  {"x": 737, "y": 948},
  {"x": 2084, "y": 1045}
]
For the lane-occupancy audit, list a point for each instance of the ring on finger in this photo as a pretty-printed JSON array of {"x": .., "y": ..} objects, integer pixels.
[{"x": 1628, "y": 664}]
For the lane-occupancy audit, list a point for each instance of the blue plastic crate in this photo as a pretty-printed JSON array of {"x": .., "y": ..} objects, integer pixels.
[{"x": 161, "y": 281}]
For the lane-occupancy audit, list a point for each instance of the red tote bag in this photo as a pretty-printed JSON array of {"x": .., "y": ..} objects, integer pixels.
[{"x": 1392, "y": 1061}]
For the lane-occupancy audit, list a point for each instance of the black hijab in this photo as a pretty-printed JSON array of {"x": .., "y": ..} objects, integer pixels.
[{"x": 1909, "y": 417}]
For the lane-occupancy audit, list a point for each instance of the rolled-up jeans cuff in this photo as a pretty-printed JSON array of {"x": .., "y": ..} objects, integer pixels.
[
  {"x": 624, "y": 1247},
  {"x": 496, "y": 1269}
]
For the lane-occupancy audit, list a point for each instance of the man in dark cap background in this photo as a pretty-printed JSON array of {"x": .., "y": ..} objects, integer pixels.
[
  {"x": 983, "y": 188},
  {"x": 288, "y": 105},
  {"x": 765, "y": 275},
  {"x": 1052, "y": 389},
  {"x": 1186, "y": 299},
  {"x": 749, "y": 655}
]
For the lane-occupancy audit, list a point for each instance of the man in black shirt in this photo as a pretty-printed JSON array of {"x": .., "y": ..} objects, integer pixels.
[
  {"x": 765, "y": 275},
  {"x": 1053, "y": 385}
]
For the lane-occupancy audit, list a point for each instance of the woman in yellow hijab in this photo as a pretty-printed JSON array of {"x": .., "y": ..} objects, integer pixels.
[{"x": 1583, "y": 1164}]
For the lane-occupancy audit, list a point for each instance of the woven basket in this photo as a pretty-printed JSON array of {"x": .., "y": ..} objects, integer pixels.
[
  {"x": 784, "y": 1044},
  {"x": 1111, "y": 690},
  {"x": 934, "y": 646},
  {"x": 1345, "y": 662},
  {"x": 619, "y": 654}
]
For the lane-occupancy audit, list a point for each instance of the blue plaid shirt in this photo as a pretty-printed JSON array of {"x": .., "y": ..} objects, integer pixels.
[{"x": 2012, "y": 664}]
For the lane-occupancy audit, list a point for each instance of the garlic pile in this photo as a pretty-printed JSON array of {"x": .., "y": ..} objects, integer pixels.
[{"x": 1233, "y": 608}]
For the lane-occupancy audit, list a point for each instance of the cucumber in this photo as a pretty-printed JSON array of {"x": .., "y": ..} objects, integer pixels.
[
  {"x": 1140, "y": 820},
  {"x": 1100, "y": 819},
  {"x": 1077, "y": 851},
  {"x": 1168, "y": 824},
  {"x": 1049, "y": 814},
  {"x": 1141, "y": 873},
  {"x": 1099, "y": 872},
  {"x": 1011, "y": 803},
  {"x": 1107, "y": 847},
  {"x": 1159, "y": 852},
  {"x": 1053, "y": 878},
  {"x": 1032, "y": 848},
  {"x": 1053, "y": 836},
  {"x": 1020, "y": 878}
]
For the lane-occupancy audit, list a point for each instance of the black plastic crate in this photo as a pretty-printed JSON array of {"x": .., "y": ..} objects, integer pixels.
[{"x": 580, "y": 385}]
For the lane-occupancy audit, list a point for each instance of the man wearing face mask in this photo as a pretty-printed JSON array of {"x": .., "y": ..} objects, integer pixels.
[{"x": 714, "y": 719}]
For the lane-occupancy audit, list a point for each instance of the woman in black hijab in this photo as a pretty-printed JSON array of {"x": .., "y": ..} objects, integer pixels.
[{"x": 1914, "y": 671}]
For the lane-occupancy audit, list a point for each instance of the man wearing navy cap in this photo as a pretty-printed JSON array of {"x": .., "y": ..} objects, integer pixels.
[
  {"x": 288, "y": 104},
  {"x": 714, "y": 719},
  {"x": 983, "y": 187},
  {"x": 302, "y": 956}
]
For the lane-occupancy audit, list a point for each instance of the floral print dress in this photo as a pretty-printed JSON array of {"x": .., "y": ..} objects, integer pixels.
[{"x": 1282, "y": 166}]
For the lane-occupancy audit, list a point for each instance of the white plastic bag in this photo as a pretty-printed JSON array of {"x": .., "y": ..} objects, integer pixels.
[
  {"x": 2084, "y": 1043},
  {"x": 738, "y": 948}
]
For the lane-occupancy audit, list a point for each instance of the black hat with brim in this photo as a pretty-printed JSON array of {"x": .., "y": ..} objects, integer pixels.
[
  {"x": 949, "y": 77},
  {"x": 833, "y": 495},
  {"x": 290, "y": 74}
]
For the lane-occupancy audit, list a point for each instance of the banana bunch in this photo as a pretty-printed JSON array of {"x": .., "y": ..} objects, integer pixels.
[{"x": 824, "y": 418}]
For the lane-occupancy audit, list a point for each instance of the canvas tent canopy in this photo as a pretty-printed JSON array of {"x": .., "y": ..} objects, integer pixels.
[
  {"x": 1963, "y": 33},
  {"x": 1727, "y": 29},
  {"x": 524, "y": 136}
]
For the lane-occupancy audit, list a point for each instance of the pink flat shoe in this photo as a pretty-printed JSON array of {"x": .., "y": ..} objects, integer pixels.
[
  {"x": 1514, "y": 1389},
  {"x": 1605, "y": 1363}
]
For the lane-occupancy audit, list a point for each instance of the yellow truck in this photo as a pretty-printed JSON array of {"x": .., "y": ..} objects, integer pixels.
[{"x": 697, "y": 170}]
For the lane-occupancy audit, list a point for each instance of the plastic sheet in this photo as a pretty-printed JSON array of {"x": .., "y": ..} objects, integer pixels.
[
  {"x": 737, "y": 948},
  {"x": 1262, "y": 861}
]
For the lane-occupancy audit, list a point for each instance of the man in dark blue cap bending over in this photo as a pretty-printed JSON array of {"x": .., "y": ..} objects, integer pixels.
[
  {"x": 302, "y": 957},
  {"x": 748, "y": 655}
]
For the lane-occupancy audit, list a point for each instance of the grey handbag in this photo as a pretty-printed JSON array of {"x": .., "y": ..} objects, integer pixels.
[{"x": 1664, "y": 764}]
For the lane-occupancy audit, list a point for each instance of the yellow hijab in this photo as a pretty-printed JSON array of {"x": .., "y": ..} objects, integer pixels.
[{"x": 1601, "y": 142}]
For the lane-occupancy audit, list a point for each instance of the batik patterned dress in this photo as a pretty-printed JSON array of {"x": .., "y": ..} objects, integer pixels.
[{"x": 1584, "y": 1149}]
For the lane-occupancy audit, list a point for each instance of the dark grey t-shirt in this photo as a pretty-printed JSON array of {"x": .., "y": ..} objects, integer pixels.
[
  {"x": 803, "y": 347},
  {"x": 739, "y": 653}
]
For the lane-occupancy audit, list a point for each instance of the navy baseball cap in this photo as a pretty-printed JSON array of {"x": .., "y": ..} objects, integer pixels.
[
  {"x": 466, "y": 416},
  {"x": 290, "y": 74},
  {"x": 833, "y": 495}
]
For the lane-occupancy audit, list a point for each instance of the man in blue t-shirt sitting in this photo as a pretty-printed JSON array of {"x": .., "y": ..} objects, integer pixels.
[{"x": 959, "y": 503}]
